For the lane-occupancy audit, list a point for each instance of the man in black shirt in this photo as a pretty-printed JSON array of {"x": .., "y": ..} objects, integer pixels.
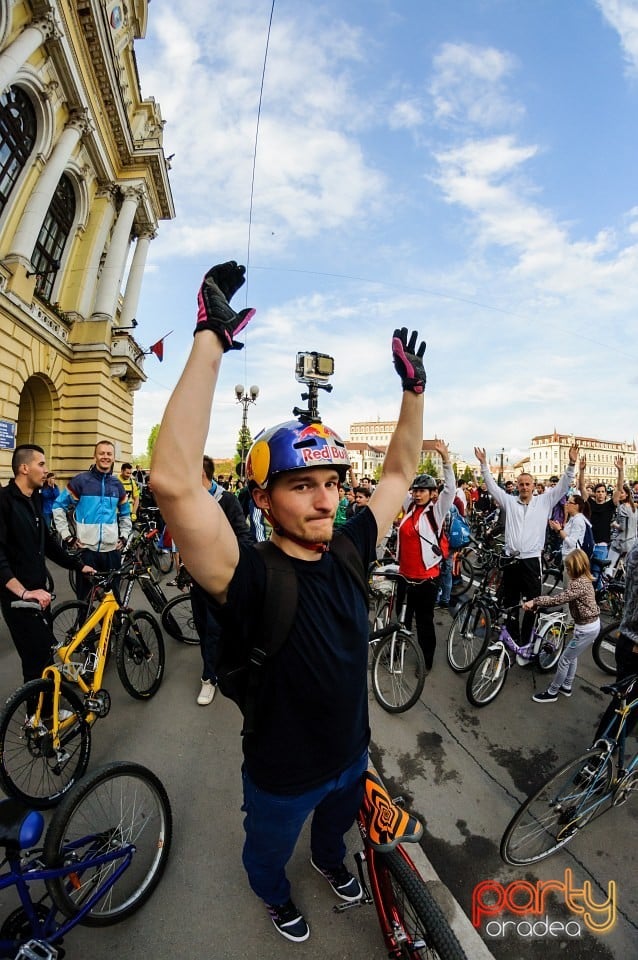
[
  {"x": 602, "y": 509},
  {"x": 308, "y": 748},
  {"x": 25, "y": 541}
]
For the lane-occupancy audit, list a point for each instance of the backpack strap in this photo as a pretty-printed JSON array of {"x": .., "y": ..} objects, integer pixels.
[{"x": 278, "y": 614}]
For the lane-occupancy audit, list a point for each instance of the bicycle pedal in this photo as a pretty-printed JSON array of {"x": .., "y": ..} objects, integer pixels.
[{"x": 99, "y": 703}]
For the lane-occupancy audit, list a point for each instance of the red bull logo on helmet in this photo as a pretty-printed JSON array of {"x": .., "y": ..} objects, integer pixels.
[{"x": 314, "y": 455}]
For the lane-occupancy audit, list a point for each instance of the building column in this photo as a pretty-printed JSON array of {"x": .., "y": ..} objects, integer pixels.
[
  {"x": 89, "y": 280},
  {"x": 18, "y": 52},
  {"x": 113, "y": 269},
  {"x": 35, "y": 211},
  {"x": 134, "y": 282}
]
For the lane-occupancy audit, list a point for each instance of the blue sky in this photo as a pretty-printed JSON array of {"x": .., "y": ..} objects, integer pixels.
[{"x": 467, "y": 169}]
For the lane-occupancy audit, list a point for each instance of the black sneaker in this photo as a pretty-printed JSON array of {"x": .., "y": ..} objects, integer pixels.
[
  {"x": 289, "y": 921},
  {"x": 545, "y": 697},
  {"x": 344, "y": 884},
  {"x": 566, "y": 691}
]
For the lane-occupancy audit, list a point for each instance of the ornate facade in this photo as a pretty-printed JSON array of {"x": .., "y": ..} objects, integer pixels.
[{"x": 83, "y": 185}]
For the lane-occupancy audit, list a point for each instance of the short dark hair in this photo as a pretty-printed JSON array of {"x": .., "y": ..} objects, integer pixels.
[
  {"x": 364, "y": 490},
  {"x": 126, "y": 466},
  {"x": 23, "y": 454},
  {"x": 208, "y": 466},
  {"x": 101, "y": 443},
  {"x": 597, "y": 486}
]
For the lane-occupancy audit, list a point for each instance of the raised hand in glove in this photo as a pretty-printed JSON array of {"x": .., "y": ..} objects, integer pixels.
[
  {"x": 408, "y": 360},
  {"x": 213, "y": 310}
]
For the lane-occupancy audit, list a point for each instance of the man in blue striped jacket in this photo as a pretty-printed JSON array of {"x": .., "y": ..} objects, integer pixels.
[{"x": 102, "y": 513}]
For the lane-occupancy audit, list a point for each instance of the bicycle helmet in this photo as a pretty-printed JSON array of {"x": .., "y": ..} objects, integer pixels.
[
  {"x": 294, "y": 445},
  {"x": 424, "y": 482}
]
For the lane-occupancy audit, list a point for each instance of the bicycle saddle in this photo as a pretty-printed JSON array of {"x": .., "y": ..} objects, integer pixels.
[
  {"x": 622, "y": 688},
  {"x": 20, "y": 827},
  {"x": 387, "y": 824}
]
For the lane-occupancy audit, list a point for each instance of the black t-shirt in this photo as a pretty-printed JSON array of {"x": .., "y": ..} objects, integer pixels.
[
  {"x": 601, "y": 516},
  {"x": 314, "y": 721}
]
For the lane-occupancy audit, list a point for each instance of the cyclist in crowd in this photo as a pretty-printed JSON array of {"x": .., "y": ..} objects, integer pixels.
[
  {"x": 571, "y": 534},
  {"x": 623, "y": 529},
  {"x": 421, "y": 548},
  {"x": 102, "y": 514},
  {"x": 602, "y": 509},
  {"x": 308, "y": 749},
  {"x": 50, "y": 493},
  {"x": 526, "y": 519},
  {"x": 626, "y": 645},
  {"x": 130, "y": 484},
  {"x": 25, "y": 542},
  {"x": 581, "y": 598}
]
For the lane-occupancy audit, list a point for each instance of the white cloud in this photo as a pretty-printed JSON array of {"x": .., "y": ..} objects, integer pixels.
[
  {"x": 468, "y": 86},
  {"x": 623, "y": 17},
  {"x": 406, "y": 114}
]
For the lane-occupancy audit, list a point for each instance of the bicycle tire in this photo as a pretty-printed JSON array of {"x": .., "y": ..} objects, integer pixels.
[
  {"x": 178, "y": 621},
  {"x": 486, "y": 679},
  {"x": 406, "y": 900},
  {"x": 604, "y": 648},
  {"x": 468, "y": 635},
  {"x": 67, "y": 618},
  {"x": 29, "y": 771},
  {"x": 549, "y": 818},
  {"x": 466, "y": 581},
  {"x": 551, "y": 645},
  {"x": 118, "y": 804},
  {"x": 398, "y": 673},
  {"x": 140, "y": 656},
  {"x": 49, "y": 584},
  {"x": 74, "y": 579}
]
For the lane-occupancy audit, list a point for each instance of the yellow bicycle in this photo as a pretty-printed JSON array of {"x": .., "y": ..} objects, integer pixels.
[{"x": 45, "y": 726}]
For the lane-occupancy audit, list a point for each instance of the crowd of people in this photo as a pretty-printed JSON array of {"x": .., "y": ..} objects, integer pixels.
[{"x": 301, "y": 493}]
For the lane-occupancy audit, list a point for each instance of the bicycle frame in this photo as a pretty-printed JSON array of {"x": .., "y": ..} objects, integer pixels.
[{"x": 20, "y": 875}]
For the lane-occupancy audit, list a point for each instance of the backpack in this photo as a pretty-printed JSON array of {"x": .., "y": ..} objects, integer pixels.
[
  {"x": 458, "y": 531},
  {"x": 241, "y": 681},
  {"x": 588, "y": 544}
]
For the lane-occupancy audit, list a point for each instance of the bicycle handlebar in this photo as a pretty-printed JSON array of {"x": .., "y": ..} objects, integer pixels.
[{"x": 28, "y": 604}]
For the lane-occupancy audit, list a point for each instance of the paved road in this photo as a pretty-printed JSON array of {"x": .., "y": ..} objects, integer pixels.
[{"x": 464, "y": 770}]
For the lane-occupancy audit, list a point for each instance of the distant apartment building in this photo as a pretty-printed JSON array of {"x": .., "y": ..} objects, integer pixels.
[
  {"x": 369, "y": 441},
  {"x": 549, "y": 453}
]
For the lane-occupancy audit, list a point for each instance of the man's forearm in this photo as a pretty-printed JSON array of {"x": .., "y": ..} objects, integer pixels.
[
  {"x": 178, "y": 450},
  {"x": 405, "y": 445}
]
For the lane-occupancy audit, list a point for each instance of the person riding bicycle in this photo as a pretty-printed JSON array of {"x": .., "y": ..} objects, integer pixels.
[
  {"x": 25, "y": 541},
  {"x": 308, "y": 749},
  {"x": 526, "y": 517}
]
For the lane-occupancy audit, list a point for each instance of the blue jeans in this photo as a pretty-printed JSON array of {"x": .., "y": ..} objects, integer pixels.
[
  {"x": 273, "y": 823},
  {"x": 445, "y": 581}
]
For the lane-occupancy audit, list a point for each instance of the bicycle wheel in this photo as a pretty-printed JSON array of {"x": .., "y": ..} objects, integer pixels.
[
  {"x": 465, "y": 581},
  {"x": 177, "y": 619},
  {"x": 398, "y": 672},
  {"x": 604, "y": 648},
  {"x": 551, "y": 645},
  {"x": 67, "y": 620},
  {"x": 548, "y": 819},
  {"x": 139, "y": 655},
  {"x": 30, "y": 768},
  {"x": 49, "y": 585},
  {"x": 411, "y": 913},
  {"x": 74, "y": 579},
  {"x": 468, "y": 635},
  {"x": 487, "y": 678},
  {"x": 119, "y": 810}
]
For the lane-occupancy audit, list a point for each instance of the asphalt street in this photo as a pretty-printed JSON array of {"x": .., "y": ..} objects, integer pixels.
[{"x": 463, "y": 770}]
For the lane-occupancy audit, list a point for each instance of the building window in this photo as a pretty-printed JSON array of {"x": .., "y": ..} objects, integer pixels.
[
  {"x": 17, "y": 137},
  {"x": 47, "y": 252}
]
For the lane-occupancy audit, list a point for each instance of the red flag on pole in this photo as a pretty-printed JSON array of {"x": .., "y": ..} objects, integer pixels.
[{"x": 158, "y": 348}]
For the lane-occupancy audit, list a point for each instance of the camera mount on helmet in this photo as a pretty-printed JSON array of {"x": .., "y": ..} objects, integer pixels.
[{"x": 313, "y": 369}]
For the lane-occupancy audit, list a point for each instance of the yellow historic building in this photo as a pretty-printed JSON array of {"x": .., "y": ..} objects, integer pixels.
[{"x": 83, "y": 185}]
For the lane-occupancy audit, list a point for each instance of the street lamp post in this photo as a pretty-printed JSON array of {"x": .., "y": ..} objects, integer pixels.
[{"x": 245, "y": 399}]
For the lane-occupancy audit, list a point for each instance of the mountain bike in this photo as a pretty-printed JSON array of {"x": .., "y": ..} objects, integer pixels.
[
  {"x": 489, "y": 673},
  {"x": 45, "y": 726},
  {"x": 579, "y": 792},
  {"x": 398, "y": 667},
  {"x": 104, "y": 853},
  {"x": 471, "y": 625},
  {"x": 412, "y": 923}
]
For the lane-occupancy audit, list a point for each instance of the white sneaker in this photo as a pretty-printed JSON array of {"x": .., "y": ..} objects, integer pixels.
[{"x": 207, "y": 693}]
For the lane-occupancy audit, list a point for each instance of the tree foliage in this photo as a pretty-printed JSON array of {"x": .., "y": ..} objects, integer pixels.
[{"x": 150, "y": 443}]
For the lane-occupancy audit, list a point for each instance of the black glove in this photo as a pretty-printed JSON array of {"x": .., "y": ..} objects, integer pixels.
[
  {"x": 408, "y": 363},
  {"x": 213, "y": 311}
]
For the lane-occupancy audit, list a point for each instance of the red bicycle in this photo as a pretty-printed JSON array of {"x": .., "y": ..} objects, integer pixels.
[{"x": 412, "y": 923}]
